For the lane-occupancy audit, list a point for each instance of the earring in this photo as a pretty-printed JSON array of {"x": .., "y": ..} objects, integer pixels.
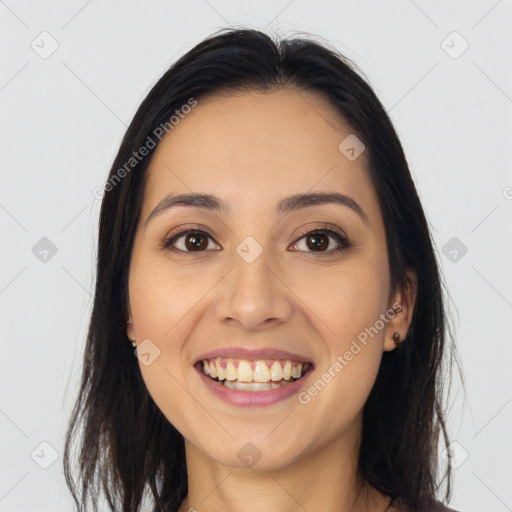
[
  {"x": 134, "y": 343},
  {"x": 396, "y": 339}
]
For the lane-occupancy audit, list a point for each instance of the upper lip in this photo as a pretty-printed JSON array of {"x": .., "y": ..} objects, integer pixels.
[{"x": 253, "y": 354}]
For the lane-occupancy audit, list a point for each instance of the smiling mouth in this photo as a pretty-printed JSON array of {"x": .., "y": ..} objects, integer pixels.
[{"x": 258, "y": 375}]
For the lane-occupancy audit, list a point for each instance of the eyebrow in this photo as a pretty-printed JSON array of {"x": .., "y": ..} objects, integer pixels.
[{"x": 284, "y": 206}]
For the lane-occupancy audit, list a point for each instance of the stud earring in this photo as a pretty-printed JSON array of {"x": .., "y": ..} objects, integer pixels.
[
  {"x": 134, "y": 343},
  {"x": 396, "y": 339}
]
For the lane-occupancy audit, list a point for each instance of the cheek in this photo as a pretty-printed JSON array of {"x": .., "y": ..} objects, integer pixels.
[
  {"x": 163, "y": 297},
  {"x": 166, "y": 304},
  {"x": 159, "y": 308},
  {"x": 348, "y": 299},
  {"x": 164, "y": 308}
]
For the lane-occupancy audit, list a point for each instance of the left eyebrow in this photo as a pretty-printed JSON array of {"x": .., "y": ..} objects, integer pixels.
[
  {"x": 284, "y": 206},
  {"x": 299, "y": 201}
]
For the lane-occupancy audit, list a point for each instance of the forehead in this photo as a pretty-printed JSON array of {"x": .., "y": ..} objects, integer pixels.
[{"x": 254, "y": 146}]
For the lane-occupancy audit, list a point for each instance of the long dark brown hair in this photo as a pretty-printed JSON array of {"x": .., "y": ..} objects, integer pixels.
[{"x": 127, "y": 449}]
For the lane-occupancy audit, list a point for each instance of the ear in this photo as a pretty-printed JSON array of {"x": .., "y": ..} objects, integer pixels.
[
  {"x": 129, "y": 326},
  {"x": 402, "y": 302}
]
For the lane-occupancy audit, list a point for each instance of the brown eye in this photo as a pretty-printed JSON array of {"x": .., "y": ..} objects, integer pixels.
[
  {"x": 195, "y": 241},
  {"x": 318, "y": 240},
  {"x": 188, "y": 240}
]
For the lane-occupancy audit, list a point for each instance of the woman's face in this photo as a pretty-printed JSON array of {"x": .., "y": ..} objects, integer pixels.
[{"x": 249, "y": 277}]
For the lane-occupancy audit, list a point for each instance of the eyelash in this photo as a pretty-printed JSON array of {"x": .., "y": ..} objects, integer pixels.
[{"x": 341, "y": 239}]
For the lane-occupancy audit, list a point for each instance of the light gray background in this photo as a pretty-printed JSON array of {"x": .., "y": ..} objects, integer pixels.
[{"x": 62, "y": 119}]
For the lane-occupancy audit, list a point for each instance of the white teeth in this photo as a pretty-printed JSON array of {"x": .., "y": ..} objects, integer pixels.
[
  {"x": 255, "y": 386},
  {"x": 280, "y": 371},
  {"x": 213, "y": 370},
  {"x": 230, "y": 371},
  {"x": 287, "y": 370},
  {"x": 276, "y": 371},
  {"x": 244, "y": 372},
  {"x": 261, "y": 372},
  {"x": 221, "y": 373},
  {"x": 296, "y": 371}
]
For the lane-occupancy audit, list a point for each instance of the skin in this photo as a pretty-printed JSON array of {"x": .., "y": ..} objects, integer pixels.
[{"x": 252, "y": 149}]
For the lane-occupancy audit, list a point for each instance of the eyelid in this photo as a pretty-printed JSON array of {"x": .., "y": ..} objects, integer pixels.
[
  {"x": 332, "y": 232},
  {"x": 322, "y": 226},
  {"x": 171, "y": 239},
  {"x": 326, "y": 228}
]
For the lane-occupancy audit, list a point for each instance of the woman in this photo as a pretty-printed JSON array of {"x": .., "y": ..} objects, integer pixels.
[{"x": 263, "y": 246}]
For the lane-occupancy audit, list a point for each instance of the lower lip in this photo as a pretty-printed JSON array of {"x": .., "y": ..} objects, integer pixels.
[{"x": 254, "y": 398}]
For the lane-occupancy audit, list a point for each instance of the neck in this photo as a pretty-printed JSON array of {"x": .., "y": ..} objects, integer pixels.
[{"x": 327, "y": 478}]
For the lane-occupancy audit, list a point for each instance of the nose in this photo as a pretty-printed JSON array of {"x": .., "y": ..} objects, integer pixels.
[{"x": 253, "y": 297}]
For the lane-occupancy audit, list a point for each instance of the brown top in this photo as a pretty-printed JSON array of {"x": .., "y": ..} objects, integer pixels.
[{"x": 438, "y": 507}]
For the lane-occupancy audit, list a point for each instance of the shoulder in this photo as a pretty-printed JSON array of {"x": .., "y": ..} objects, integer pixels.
[{"x": 436, "y": 507}]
